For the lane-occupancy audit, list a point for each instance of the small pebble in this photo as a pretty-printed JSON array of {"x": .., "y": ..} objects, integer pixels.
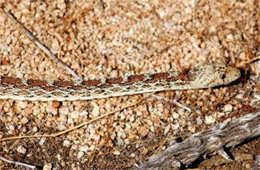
[
  {"x": 22, "y": 104},
  {"x": 143, "y": 131},
  {"x": 84, "y": 148},
  {"x": 50, "y": 109},
  {"x": 66, "y": 143},
  {"x": 24, "y": 120},
  {"x": 11, "y": 127},
  {"x": 47, "y": 166},
  {"x": 35, "y": 129},
  {"x": 116, "y": 153},
  {"x": 61, "y": 127},
  {"x": 248, "y": 166},
  {"x": 21, "y": 149},
  {"x": 132, "y": 155},
  {"x": 175, "y": 115},
  {"x": 42, "y": 141},
  {"x": 95, "y": 111},
  {"x": 228, "y": 108},
  {"x": 132, "y": 118},
  {"x": 80, "y": 154},
  {"x": 56, "y": 104},
  {"x": 58, "y": 157},
  {"x": 64, "y": 110},
  {"x": 209, "y": 119},
  {"x": 74, "y": 115}
]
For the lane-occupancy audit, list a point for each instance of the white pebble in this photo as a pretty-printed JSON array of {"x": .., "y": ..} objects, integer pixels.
[
  {"x": 84, "y": 113},
  {"x": 176, "y": 126},
  {"x": 228, "y": 108},
  {"x": 138, "y": 113},
  {"x": 80, "y": 154},
  {"x": 175, "y": 115},
  {"x": 35, "y": 129},
  {"x": 74, "y": 147},
  {"x": 66, "y": 143},
  {"x": 239, "y": 96},
  {"x": 230, "y": 37},
  {"x": 74, "y": 115},
  {"x": 11, "y": 127},
  {"x": 58, "y": 157},
  {"x": 116, "y": 153},
  {"x": 122, "y": 117},
  {"x": 64, "y": 110},
  {"x": 198, "y": 120},
  {"x": 47, "y": 166},
  {"x": 132, "y": 118},
  {"x": 51, "y": 110},
  {"x": 181, "y": 111},
  {"x": 132, "y": 155},
  {"x": 61, "y": 127},
  {"x": 22, "y": 104},
  {"x": 209, "y": 119},
  {"x": 70, "y": 121},
  {"x": 84, "y": 148},
  {"x": 21, "y": 149},
  {"x": 95, "y": 111},
  {"x": 42, "y": 141},
  {"x": 61, "y": 4}
]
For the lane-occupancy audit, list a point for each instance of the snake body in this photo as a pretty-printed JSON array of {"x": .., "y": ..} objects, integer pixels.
[{"x": 200, "y": 77}]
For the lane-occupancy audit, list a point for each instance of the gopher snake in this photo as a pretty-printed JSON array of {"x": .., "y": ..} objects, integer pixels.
[{"x": 206, "y": 76}]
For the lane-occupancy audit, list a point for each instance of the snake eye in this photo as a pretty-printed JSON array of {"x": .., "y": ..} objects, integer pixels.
[{"x": 223, "y": 76}]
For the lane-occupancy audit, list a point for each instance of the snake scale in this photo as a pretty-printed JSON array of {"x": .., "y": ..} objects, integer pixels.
[{"x": 205, "y": 76}]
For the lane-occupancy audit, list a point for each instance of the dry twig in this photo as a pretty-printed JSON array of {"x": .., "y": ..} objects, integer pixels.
[
  {"x": 17, "y": 163},
  {"x": 73, "y": 128},
  {"x": 40, "y": 45}
]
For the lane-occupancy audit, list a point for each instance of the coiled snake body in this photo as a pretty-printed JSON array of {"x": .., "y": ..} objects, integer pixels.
[{"x": 200, "y": 77}]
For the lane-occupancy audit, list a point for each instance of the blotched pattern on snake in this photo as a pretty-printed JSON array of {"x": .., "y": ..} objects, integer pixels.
[{"x": 200, "y": 77}]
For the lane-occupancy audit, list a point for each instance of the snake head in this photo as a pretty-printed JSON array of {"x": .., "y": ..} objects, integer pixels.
[{"x": 208, "y": 76}]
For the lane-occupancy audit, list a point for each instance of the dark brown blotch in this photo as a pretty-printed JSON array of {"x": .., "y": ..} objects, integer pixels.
[
  {"x": 183, "y": 77},
  {"x": 10, "y": 80},
  {"x": 63, "y": 83},
  {"x": 157, "y": 76},
  {"x": 133, "y": 79},
  {"x": 186, "y": 75},
  {"x": 91, "y": 82},
  {"x": 114, "y": 80},
  {"x": 40, "y": 83}
]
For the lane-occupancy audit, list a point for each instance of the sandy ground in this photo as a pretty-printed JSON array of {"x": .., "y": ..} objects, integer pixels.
[{"x": 102, "y": 38}]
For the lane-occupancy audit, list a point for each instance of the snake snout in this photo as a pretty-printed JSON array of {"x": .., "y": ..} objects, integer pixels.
[{"x": 217, "y": 75}]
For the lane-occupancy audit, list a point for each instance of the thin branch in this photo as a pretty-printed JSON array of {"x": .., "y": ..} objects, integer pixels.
[
  {"x": 17, "y": 163},
  {"x": 40, "y": 45},
  {"x": 172, "y": 101},
  {"x": 73, "y": 128}
]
